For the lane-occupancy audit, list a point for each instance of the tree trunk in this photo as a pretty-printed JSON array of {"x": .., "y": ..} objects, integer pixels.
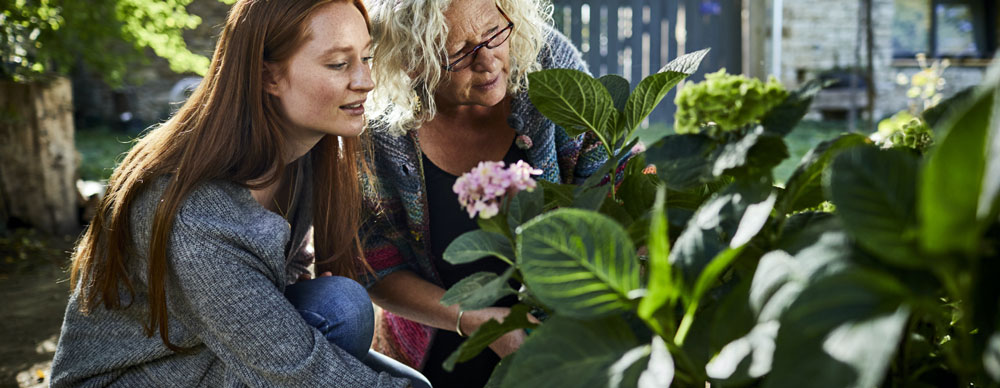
[{"x": 38, "y": 158}]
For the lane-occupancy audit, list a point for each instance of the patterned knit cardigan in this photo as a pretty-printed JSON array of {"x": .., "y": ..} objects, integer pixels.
[{"x": 395, "y": 234}]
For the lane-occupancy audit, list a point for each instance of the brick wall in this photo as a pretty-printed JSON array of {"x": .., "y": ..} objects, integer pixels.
[{"x": 821, "y": 35}]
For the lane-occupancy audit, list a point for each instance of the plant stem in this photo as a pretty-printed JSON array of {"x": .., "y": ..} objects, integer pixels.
[{"x": 686, "y": 322}]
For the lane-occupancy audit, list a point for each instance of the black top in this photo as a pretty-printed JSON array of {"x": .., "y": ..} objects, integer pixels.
[{"x": 448, "y": 221}]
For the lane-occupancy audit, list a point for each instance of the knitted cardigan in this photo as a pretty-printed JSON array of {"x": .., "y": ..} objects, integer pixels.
[
  {"x": 227, "y": 269},
  {"x": 395, "y": 235}
]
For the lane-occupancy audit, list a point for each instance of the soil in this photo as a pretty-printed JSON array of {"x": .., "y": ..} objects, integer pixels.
[{"x": 34, "y": 289}]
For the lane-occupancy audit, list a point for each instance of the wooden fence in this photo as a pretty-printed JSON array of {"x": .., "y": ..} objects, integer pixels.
[{"x": 634, "y": 38}]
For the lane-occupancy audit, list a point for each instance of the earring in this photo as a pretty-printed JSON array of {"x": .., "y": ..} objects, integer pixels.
[{"x": 418, "y": 106}]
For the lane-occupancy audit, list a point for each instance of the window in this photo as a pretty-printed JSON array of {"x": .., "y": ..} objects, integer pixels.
[{"x": 945, "y": 28}]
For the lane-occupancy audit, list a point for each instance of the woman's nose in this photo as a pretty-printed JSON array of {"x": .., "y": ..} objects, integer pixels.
[{"x": 362, "y": 79}]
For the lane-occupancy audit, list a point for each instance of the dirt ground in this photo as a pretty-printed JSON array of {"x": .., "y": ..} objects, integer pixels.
[{"x": 34, "y": 289}]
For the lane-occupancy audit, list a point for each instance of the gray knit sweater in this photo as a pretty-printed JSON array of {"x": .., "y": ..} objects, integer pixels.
[{"x": 229, "y": 263}]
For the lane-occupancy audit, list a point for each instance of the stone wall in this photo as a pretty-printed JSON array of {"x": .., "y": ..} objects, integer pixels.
[{"x": 821, "y": 35}]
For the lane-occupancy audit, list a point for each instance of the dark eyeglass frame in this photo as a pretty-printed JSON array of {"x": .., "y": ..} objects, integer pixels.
[{"x": 453, "y": 66}]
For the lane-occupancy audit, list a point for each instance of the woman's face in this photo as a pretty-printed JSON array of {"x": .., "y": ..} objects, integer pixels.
[
  {"x": 484, "y": 81},
  {"x": 323, "y": 86}
]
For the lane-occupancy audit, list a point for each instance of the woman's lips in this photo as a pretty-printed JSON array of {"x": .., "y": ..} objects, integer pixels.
[
  {"x": 489, "y": 84},
  {"x": 354, "y": 109}
]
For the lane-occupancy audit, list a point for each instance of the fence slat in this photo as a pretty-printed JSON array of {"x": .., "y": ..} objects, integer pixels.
[{"x": 614, "y": 39}]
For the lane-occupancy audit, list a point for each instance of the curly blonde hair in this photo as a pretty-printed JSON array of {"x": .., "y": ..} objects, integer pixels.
[{"x": 409, "y": 40}]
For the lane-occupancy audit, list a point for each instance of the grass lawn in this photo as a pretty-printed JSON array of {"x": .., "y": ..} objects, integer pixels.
[
  {"x": 802, "y": 139},
  {"x": 101, "y": 150}
]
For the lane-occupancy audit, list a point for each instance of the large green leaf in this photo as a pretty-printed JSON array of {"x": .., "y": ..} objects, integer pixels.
[
  {"x": 842, "y": 331},
  {"x": 488, "y": 333},
  {"x": 572, "y": 99},
  {"x": 557, "y": 194},
  {"x": 618, "y": 88},
  {"x": 580, "y": 263},
  {"x": 805, "y": 187},
  {"x": 952, "y": 180},
  {"x": 638, "y": 189},
  {"x": 479, "y": 290},
  {"x": 754, "y": 154},
  {"x": 662, "y": 290},
  {"x": 783, "y": 118},
  {"x": 524, "y": 206},
  {"x": 683, "y": 162},
  {"x": 477, "y": 244},
  {"x": 652, "y": 89},
  {"x": 874, "y": 193},
  {"x": 569, "y": 353},
  {"x": 744, "y": 204},
  {"x": 821, "y": 251},
  {"x": 660, "y": 370}
]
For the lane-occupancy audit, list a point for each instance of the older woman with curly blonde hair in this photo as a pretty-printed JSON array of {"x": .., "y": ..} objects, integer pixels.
[{"x": 452, "y": 92}]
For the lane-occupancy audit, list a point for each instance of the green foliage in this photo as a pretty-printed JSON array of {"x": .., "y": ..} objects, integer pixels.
[
  {"x": 905, "y": 130},
  {"x": 725, "y": 103},
  {"x": 39, "y": 37},
  {"x": 870, "y": 267}
]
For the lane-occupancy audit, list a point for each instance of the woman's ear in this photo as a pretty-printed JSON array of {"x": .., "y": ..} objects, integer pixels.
[{"x": 271, "y": 79}]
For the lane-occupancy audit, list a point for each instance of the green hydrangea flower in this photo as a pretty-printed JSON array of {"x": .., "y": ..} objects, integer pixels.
[
  {"x": 904, "y": 129},
  {"x": 725, "y": 103}
]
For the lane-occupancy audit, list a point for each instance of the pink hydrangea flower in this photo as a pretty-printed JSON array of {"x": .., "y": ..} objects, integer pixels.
[{"x": 481, "y": 190}]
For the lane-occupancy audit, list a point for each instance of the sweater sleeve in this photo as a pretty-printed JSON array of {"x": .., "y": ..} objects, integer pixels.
[{"x": 224, "y": 285}]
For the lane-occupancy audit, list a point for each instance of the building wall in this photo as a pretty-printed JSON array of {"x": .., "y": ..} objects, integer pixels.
[{"x": 821, "y": 35}]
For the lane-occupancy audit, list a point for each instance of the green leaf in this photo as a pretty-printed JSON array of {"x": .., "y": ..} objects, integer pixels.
[
  {"x": 488, "y": 333},
  {"x": 757, "y": 152},
  {"x": 783, "y": 118},
  {"x": 618, "y": 88},
  {"x": 524, "y": 206},
  {"x": 952, "y": 180},
  {"x": 874, "y": 193},
  {"x": 747, "y": 358},
  {"x": 638, "y": 189},
  {"x": 557, "y": 194},
  {"x": 662, "y": 289},
  {"x": 842, "y": 331},
  {"x": 479, "y": 290},
  {"x": 625, "y": 372},
  {"x": 991, "y": 358},
  {"x": 568, "y": 353},
  {"x": 495, "y": 224},
  {"x": 572, "y": 99},
  {"x": 660, "y": 370},
  {"x": 580, "y": 263},
  {"x": 591, "y": 199},
  {"x": 687, "y": 63},
  {"x": 717, "y": 222},
  {"x": 500, "y": 372},
  {"x": 683, "y": 162},
  {"x": 477, "y": 244},
  {"x": 652, "y": 89},
  {"x": 805, "y": 187}
]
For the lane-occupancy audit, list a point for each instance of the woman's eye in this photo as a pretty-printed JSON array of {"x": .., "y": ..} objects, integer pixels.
[
  {"x": 336, "y": 66},
  {"x": 367, "y": 59}
]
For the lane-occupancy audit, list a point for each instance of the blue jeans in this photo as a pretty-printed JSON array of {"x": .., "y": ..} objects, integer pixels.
[{"x": 342, "y": 311}]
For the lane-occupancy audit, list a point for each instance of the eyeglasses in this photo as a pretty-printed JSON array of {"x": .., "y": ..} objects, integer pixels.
[{"x": 493, "y": 42}]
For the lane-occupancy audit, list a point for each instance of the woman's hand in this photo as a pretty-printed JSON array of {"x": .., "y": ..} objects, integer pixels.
[{"x": 504, "y": 345}]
